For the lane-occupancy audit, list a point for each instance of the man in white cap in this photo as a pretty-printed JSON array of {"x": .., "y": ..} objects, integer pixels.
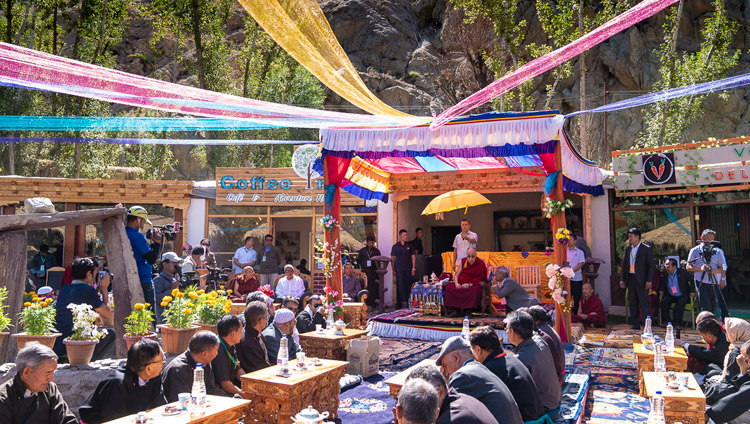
[
  {"x": 469, "y": 377},
  {"x": 283, "y": 325},
  {"x": 166, "y": 281},
  {"x": 145, "y": 255},
  {"x": 289, "y": 285}
]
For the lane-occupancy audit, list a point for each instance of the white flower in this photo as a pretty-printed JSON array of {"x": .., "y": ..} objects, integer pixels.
[
  {"x": 557, "y": 296},
  {"x": 552, "y": 283},
  {"x": 568, "y": 272},
  {"x": 551, "y": 270}
]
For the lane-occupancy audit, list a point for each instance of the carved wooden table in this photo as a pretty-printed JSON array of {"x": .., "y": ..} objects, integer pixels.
[
  {"x": 687, "y": 405},
  {"x": 328, "y": 346},
  {"x": 397, "y": 381},
  {"x": 355, "y": 315},
  {"x": 276, "y": 399},
  {"x": 221, "y": 410},
  {"x": 676, "y": 361},
  {"x": 237, "y": 308}
]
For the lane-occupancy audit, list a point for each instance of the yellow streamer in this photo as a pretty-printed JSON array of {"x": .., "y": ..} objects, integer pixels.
[{"x": 301, "y": 29}]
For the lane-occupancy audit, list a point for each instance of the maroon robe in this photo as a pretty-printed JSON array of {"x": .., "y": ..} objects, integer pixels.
[
  {"x": 470, "y": 297},
  {"x": 244, "y": 287},
  {"x": 593, "y": 304}
]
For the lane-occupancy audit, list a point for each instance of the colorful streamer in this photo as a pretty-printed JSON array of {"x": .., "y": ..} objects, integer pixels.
[
  {"x": 157, "y": 141},
  {"x": 122, "y": 123},
  {"x": 672, "y": 93},
  {"x": 536, "y": 67}
]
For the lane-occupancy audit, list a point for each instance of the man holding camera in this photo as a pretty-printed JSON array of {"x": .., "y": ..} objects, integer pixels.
[
  {"x": 709, "y": 267},
  {"x": 145, "y": 255},
  {"x": 166, "y": 281}
]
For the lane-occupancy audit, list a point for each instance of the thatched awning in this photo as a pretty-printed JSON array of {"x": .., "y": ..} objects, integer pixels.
[{"x": 671, "y": 234}]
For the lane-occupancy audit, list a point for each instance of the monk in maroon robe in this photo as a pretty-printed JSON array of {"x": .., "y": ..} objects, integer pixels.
[
  {"x": 466, "y": 293},
  {"x": 591, "y": 311}
]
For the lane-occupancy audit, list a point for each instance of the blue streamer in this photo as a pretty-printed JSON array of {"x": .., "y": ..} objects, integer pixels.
[
  {"x": 154, "y": 141},
  {"x": 330, "y": 193},
  {"x": 670, "y": 215},
  {"x": 549, "y": 183},
  {"x": 123, "y": 123}
]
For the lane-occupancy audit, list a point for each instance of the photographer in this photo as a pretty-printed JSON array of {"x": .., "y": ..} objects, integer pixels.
[
  {"x": 192, "y": 264},
  {"x": 145, "y": 255},
  {"x": 707, "y": 262},
  {"x": 166, "y": 281}
]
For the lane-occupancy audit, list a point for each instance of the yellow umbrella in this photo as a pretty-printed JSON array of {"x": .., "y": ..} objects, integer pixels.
[{"x": 453, "y": 200}]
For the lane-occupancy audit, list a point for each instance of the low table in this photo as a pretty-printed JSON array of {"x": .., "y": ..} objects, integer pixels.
[
  {"x": 276, "y": 399},
  {"x": 328, "y": 346},
  {"x": 686, "y": 406},
  {"x": 237, "y": 308},
  {"x": 355, "y": 315},
  {"x": 676, "y": 361},
  {"x": 397, "y": 381},
  {"x": 221, "y": 409}
]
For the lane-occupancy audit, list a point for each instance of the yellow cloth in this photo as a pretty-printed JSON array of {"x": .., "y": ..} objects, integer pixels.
[
  {"x": 368, "y": 176},
  {"x": 301, "y": 29}
]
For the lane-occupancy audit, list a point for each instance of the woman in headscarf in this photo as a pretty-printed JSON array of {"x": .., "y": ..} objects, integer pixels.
[{"x": 718, "y": 384}]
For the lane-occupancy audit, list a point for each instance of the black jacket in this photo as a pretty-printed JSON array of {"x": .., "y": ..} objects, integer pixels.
[
  {"x": 475, "y": 380},
  {"x": 47, "y": 407},
  {"x": 177, "y": 377},
  {"x": 121, "y": 396},
  {"x": 734, "y": 405},
  {"x": 517, "y": 377},
  {"x": 644, "y": 264},
  {"x": 709, "y": 355},
  {"x": 684, "y": 280},
  {"x": 251, "y": 351},
  {"x": 306, "y": 321},
  {"x": 554, "y": 342},
  {"x": 460, "y": 408}
]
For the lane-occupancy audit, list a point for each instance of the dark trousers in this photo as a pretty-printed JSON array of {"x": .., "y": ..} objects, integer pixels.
[
  {"x": 403, "y": 286},
  {"x": 373, "y": 287},
  {"x": 679, "y": 307},
  {"x": 576, "y": 288},
  {"x": 149, "y": 296},
  {"x": 638, "y": 300},
  {"x": 104, "y": 342},
  {"x": 707, "y": 293}
]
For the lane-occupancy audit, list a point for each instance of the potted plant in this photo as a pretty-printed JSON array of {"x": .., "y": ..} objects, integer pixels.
[
  {"x": 179, "y": 315},
  {"x": 81, "y": 344},
  {"x": 211, "y": 307},
  {"x": 138, "y": 324},
  {"x": 38, "y": 322},
  {"x": 4, "y": 319}
]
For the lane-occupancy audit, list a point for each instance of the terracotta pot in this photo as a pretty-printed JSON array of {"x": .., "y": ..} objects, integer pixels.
[
  {"x": 208, "y": 327},
  {"x": 80, "y": 351},
  {"x": 46, "y": 339},
  {"x": 176, "y": 340},
  {"x": 130, "y": 340}
]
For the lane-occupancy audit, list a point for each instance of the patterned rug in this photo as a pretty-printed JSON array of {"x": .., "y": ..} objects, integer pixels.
[
  {"x": 399, "y": 354},
  {"x": 613, "y": 398},
  {"x": 408, "y": 324},
  {"x": 614, "y": 358},
  {"x": 368, "y": 402}
]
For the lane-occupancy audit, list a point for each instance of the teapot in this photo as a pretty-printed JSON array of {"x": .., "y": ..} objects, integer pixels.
[
  {"x": 310, "y": 416},
  {"x": 339, "y": 326}
]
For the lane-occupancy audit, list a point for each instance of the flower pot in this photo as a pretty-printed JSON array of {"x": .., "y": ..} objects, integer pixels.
[
  {"x": 130, "y": 340},
  {"x": 176, "y": 340},
  {"x": 80, "y": 351},
  {"x": 207, "y": 327},
  {"x": 45, "y": 339}
]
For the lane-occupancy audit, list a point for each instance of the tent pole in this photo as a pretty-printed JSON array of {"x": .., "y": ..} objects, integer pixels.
[
  {"x": 562, "y": 319},
  {"x": 333, "y": 238}
]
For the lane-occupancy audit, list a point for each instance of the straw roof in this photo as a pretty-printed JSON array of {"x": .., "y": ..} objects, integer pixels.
[{"x": 671, "y": 234}]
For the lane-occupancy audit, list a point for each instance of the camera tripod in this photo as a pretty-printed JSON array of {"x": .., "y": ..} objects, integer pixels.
[{"x": 713, "y": 283}]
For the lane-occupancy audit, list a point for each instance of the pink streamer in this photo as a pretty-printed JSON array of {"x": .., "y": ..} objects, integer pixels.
[{"x": 536, "y": 67}]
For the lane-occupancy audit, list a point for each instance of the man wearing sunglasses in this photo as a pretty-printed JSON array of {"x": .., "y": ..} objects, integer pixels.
[{"x": 210, "y": 259}]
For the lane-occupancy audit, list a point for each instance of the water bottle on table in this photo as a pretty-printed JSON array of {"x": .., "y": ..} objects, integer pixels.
[
  {"x": 198, "y": 393},
  {"x": 669, "y": 339},
  {"x": 282, "y": 360},
  {"x": 465, "y": 330},
  {"x": 656, "y": 416},
  {"x": 647, "y": 337},
  {"x": 660, "y": 365}
]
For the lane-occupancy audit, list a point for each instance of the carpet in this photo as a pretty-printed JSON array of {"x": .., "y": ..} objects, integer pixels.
[
  {"x": 583, "y": 355},
  {"x": 408, "y": 324},
  {"x": 577, "y": 380},
  {"x": 615, "y": 358},
  {"x": 593, "y": 337},
  {"x": 397, "y": 355},
  {"x": 613, "y": 398},
  {"x": 368, "y": 402}
]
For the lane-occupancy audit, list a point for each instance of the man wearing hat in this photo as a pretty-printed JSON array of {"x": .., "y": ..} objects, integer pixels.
[
  {"x": 469, "y": 377},
  {"x": 145, "y": 255},
  {"x": 166, "y": 281},
  {"x": 283, "y": 324}
]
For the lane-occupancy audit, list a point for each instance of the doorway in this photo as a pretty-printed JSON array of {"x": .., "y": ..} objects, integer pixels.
[
  {"x": 442, "y": 238},
  {"x": 292, "y": 237}
]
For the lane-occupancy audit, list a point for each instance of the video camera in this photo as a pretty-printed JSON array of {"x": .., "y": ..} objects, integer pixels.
[
  {"x": 708, "y": 249},
  {"x": 217, "y": 275},
  {"x": 169, "y": 231}
]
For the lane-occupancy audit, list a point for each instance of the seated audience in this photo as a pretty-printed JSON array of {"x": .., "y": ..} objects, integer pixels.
[
  {"x": 550, "y": 336},
  {"x": 251, "y": 352},
  {"x": 591, "y": 311},
  {"x": 283, "y": 324},
  {"x": 454, "y": 407},
  {"x": 705, "y": 315},
  {"x": 289, "y": 285},
  {"x": 81, "y": 291},
  {"x": 718, "y": 381},
  {"x": 515, "y": 296},
  {"x": 533, "y": 352},
  {"x": 469, "y": 377},
  {"x": 417, "y": 403},
  {"x": 31, "y": 397},
  {"x": 733, "y": 408},
  {"x": 291, "y": 303},
  {"x": 677, "y": 289},
  {"x": 302, "y": 267},
  {"x": 177, "y": 376},
  {"x": 192, "y": 264},
  {"x": 226, "y": 366},
  {"x": 134, "y": 388},
  {"x": 244, "y": 284},
  {"x": 352, "y": 285},
  {"x": 466, "y": 292},
  {"x": 166, "y": 282},
  {"x": 311, "y": 315},
  {"x": 699, "y": 358},
  {"x": 488, "y": 350}
]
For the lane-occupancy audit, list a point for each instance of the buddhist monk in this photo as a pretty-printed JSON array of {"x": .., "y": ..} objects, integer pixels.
[
  {"x": 591, "y": 311},
  {"x": 466, "y": 293}
]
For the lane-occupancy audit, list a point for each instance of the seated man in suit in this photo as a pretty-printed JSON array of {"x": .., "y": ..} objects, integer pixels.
[
  {"x": 353, "y": 286},
  {"x": 466, "y": 293},
  {"x": 251, "y": 351},
  {"x": 733, "y": 408},
  {"x": 469, "y": 377},
  {"x": 677, "y": 289},
  {"x": 177, "y": 376},
  {"x": 699, "y": 358},
  {"x": 283, "y": 325},
  {"x": 591, "y": 310},
  {"x": 417, "y": 403},
  {"x": 311, "y": 315},
  {"x": 550, "y": 336},
  {"x": 508, "y": 288}
]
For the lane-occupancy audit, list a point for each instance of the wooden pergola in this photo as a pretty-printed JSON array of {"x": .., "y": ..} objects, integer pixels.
[{"x": 127, "y": 287}]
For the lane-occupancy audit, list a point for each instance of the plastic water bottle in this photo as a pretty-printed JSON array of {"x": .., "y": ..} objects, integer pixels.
[
  {"x": 283, "y": 358},
  {"x": 656, "y": 416},
  {"x": 198, "y": 392},
  {"x": 329, "y": 320},
  {"x": 669, "y": 339},
  {"x": 647, "y": 327},
  {"x": 465, "y": 330},
  {"x": 660, "y": 365}
]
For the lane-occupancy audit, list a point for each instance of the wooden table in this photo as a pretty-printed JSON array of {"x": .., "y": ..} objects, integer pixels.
[
  {"x": 397, "y": 381},
  {"x": 221, "y": 410},
  {"x": 355, "y": 315},
  {"x": 686, "y": 406},
  {"x": 676, "y": 361},
  {"x": 237, "y": 308},
  {"x": 276, "y": 399},
  {"x": 328, "y": 346}
]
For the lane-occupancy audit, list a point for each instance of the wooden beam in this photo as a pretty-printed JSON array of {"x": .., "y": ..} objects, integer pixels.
[
  {"x": 38, "y": 221},
  {"x": 13, "y": 276},
  {"x": 127, "y": 287},
  {"x": 179, "y": 216},
  {"x": 685, "y": 146},
  {"x": 9, "y": 210}
]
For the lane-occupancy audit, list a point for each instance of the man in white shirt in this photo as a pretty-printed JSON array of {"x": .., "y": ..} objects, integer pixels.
[
  {"x": 707, "y": 286},
  {"x": 463, "y": 242},
  {"x": 289, "y": 285},
  {"x": 244, "y": 256},
  {"x": 576, "y": 259}
]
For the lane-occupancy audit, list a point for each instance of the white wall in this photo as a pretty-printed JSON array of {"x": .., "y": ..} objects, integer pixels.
[
  {"x": 600, "y": 246},
  {"x": 385, "y": 240},
  {"x": 196, "y": 221}
]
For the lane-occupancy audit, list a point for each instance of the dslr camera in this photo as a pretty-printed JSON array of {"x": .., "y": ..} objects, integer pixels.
[
  {"x": 217, "y": 276},
  {"x": 169, "y": 231}
]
